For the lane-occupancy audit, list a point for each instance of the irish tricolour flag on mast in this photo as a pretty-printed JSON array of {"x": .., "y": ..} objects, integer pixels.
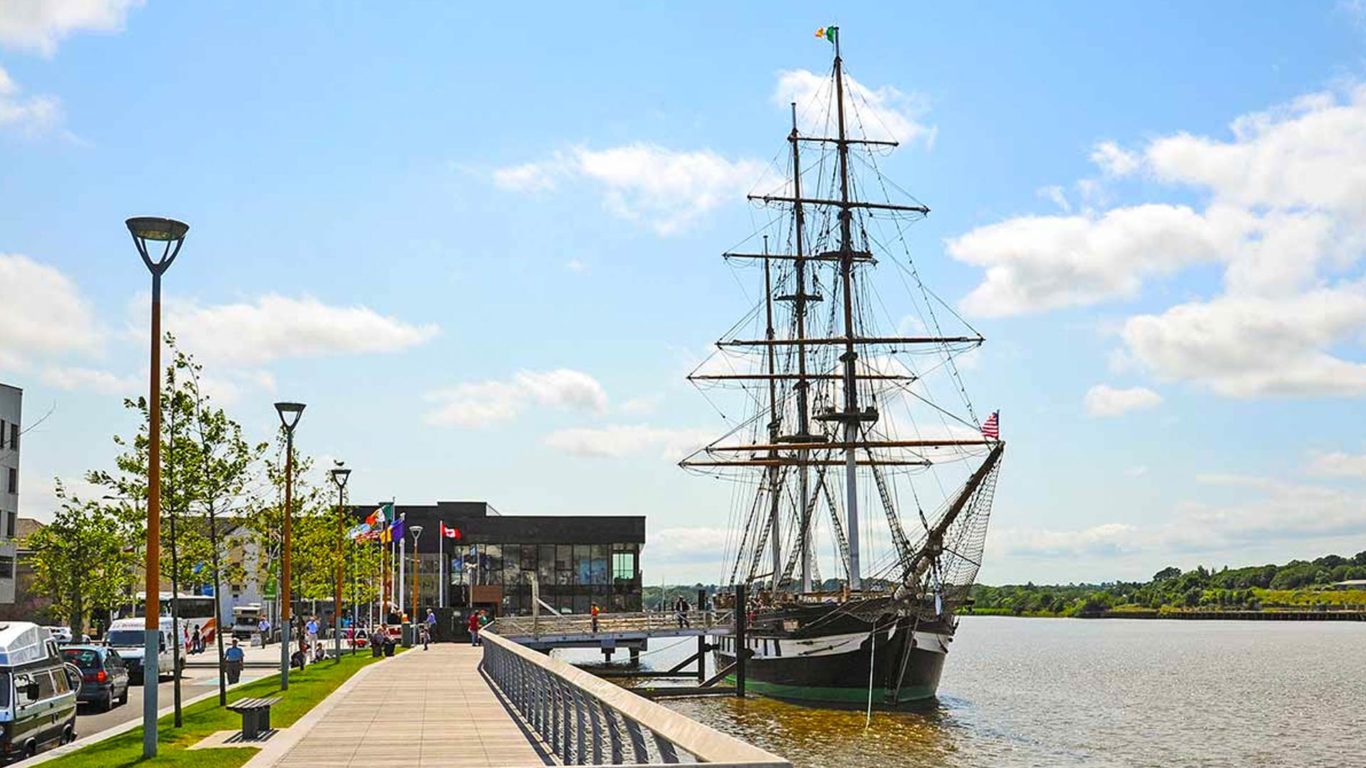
[{"x": 829, "y": 33}]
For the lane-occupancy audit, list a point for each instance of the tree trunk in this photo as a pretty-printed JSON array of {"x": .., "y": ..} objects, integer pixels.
[
  {"x": 218, "y": 607},
  {"x": 175, "y": 623}
]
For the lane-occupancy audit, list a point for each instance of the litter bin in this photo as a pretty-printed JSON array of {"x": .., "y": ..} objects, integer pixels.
[
  {"x": 389, "y": 648},
  {"x": 408, "y": 634}
]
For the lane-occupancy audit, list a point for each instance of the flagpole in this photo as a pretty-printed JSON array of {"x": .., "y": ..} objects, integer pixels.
[
  {"x": 402, "y": 570},
  {"x": 441, "y": 565}
]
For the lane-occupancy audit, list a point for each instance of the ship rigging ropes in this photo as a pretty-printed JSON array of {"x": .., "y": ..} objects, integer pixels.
[{"x": 778, "y": 377}]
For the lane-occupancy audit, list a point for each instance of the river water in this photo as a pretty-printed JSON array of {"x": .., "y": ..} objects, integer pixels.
[{"x": 1072, "y": 692}]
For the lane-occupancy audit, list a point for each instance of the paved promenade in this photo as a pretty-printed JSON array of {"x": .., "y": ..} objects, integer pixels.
[{"x": 422, "y": 708}]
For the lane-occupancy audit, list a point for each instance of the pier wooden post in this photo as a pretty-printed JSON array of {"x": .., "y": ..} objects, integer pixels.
[
  {"x": 741, "y": 647},
  {"x": 702, "y": 638}
]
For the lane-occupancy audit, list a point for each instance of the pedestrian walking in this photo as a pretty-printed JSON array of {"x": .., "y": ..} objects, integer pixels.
[
  {"x": 483, "y": 622},
  {"x": 424, "y": 635},
  {"x": 263, "y": 628},
  {"x": 594, "y": 612},
  {"x": 431, "y": 622},
  {"x": 234, "y": 658},
  {"x": 473, "y": 626},
  {"x": 196, "y": 641}
]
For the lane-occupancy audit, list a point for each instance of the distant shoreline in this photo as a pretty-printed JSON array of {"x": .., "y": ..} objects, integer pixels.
[{"x": 1278, "y": 615}]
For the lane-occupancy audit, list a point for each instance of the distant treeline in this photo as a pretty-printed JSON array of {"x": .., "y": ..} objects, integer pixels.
[{"x": 1298, "y": 583}]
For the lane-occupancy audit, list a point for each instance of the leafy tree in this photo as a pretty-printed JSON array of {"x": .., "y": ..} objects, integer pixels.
[
  {"x": 1170, "y": 572},
  {"x": 79, "y": 559}
]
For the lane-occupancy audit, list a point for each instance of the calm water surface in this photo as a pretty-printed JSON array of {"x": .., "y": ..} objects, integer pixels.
[{"x": 1060, "y": 692}]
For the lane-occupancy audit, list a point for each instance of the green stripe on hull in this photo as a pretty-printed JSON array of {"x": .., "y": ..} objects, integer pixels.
[{"x": 844, "y": 695}]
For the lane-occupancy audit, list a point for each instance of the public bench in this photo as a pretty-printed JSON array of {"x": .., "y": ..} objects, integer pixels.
[{"x": 255, "y": 715}]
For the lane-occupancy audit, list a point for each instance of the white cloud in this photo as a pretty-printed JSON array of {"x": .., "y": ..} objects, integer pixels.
[
  {"x": 574, "y": 265},
  {"x": 641, "y": 406},
  {"x": 32, "y": 115},
  {"x": 44, "y": 314},
  {"x": 481, "y": 404},
  {"x": 1138, "y": 470},
  {"x": 1254, "y": 347},
  {"x": 528, "y": 177},
  {"x": 1114, "y": 161},
  {"x": 663, "y": 188},
  {"x": 1270, "y": 511},
  {"x": 1055, "y": 193},
  {"x": 104, "y": 382},
  {"x": 277, "y": 327},
  {"x": 1286, "y": 219},
  {"x": 1102, "y": 400},
  {"x": 38, "y": 25},
  {"x": 1338, "y": 464},
  {"x": 1036, "y": 263},
  {"x": 1310, "y": 153},
  {"x": 694, "y": 546},
  {"x": 884, "y": 113},
  {"x": 622, "y": 441}
]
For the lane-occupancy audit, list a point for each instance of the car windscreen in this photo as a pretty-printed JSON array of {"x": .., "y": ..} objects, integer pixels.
[
  {"x": 126, "y": 638},
  {"x": 85, "y": 658},
  {"x": 4, "y": 690}
]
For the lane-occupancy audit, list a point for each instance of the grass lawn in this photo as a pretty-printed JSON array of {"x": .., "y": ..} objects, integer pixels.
[{"x": 306, "y": 689}]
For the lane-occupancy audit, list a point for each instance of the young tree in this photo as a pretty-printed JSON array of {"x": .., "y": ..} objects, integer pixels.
[
  {"x": 80, "y": 560},
  {"x": 226, "y": 469}
]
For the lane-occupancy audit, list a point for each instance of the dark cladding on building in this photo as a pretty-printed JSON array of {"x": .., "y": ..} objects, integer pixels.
[{"x": 575, "y": 560}]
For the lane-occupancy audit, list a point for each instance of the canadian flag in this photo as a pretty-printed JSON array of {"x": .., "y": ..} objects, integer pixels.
[{"x": 450, "y": 533}]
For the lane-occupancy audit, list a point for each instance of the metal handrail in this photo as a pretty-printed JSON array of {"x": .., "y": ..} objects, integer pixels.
[
  {"x": 586, "y": 720},
  {"x": 608, "y": 623}
]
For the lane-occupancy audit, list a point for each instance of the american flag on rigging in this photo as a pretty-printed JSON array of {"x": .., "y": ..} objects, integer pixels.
[{"x": 992, "y": 426}]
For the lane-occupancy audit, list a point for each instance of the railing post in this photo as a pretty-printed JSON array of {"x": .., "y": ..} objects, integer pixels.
[
  {"x": 741, "y": 645},
  {"x": 667, "y": 753},
  {"x": 566, "y": 720},
  {"x": 593, "y": 714},
  {"x": 642, "y": 753},
  {"x": 614, "y": 736},
  {"x": 580, "y": 730}
]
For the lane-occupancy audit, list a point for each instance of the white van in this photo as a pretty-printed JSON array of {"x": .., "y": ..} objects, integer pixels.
[
  {"x": 37, "y": 697},
  {"x": 127, "y": 637}
]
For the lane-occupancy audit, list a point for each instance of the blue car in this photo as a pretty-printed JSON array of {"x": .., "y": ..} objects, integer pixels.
[{"x": 104, "y": 676}]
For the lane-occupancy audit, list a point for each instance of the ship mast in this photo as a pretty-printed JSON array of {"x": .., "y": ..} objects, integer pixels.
[
  {"x": 799, "y": 306},
  {"x": 774, "y": 472},
  {"x": 850, "y": 417}
]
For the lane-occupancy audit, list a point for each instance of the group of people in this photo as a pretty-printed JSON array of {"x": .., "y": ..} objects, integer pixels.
[
  {"x": 476, "y": 622},
  {"x": 194, "y": 641}
]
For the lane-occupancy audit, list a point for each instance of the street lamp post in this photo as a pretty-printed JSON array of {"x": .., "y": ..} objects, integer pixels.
[
  {"x": 171, "y": 233},
  {"x": 417, "y": 531},
  {"x": 339, "y": 477},
  {"x": 289, "y": 418}
]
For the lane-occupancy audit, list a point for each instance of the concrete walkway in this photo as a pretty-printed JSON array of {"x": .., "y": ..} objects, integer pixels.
[{"x": 422, "y": 708}]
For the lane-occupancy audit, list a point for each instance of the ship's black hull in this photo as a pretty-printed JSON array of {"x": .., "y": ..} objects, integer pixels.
[{"x": 905, "y": 661}]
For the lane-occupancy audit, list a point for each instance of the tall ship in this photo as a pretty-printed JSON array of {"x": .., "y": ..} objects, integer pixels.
[{"x": 863, "y": 475}]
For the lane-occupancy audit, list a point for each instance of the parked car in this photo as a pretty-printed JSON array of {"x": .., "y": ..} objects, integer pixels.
[
  {"x": 61, "y": 634},
  {"x": 104, "y": 676},
  {"x": 37, "y": 703}
]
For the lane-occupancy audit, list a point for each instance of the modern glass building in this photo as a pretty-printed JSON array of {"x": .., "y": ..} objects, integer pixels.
[{"x": 574, "y": 560}]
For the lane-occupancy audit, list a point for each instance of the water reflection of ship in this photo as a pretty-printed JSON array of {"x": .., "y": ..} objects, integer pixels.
[{"x": 839, "y": 413}]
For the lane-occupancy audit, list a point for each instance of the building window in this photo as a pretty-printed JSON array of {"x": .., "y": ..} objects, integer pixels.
[
  {"x": 14, "y": 436},
  {"x": 2, "y": 433},
  {"x": 6, "y": 567},
  {"x": 13, "y": 480},
  {"x": 623, "y": 565},
  {"x": 9, "y": 524}
]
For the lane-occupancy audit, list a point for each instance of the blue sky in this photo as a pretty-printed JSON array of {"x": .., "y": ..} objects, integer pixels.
[{"x": 484, "y": 247}]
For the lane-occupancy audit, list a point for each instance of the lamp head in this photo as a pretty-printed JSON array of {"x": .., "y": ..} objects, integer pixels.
[
  {"x": 156, "y": 228},
  {"x": 416, "y": 529},
  {"x": 145, "y": 229},
  {"x": 339, "y": 476},
  {"x": 289, "y": 414}
]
